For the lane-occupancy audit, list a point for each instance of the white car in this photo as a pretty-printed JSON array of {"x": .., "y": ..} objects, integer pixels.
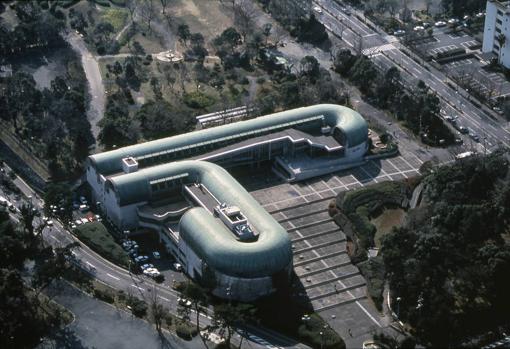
[
  {"x": 152, "y": 272},
  {"x": 49, "y": 223},
  {"x": 317, "y": 9},
  {"x": 177, "y": 266},
  {"x": 78, "y": 222},
  {"x": 184, "y": 301},
  {"x": 146, "y": 266},
  {"x": 419, "y": 28},
  {"x": 84, "y": 220},
  {"x": 440, "y": 24}
]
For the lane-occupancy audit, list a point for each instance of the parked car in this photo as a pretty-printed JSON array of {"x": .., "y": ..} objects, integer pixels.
[
  {"x": 49, "y": 223},
  {"x": 399, "y": 32},
  {"x": 78, "y": 222},
  {"x": 156, "y": 255},
  {"x": 141, "y": 259},
  {"x": 317, "y": 9},
  {"x": 345, "y": 10},
  {"x": 177, "y": 266},
  {"x": 146, "y": 266},
  {"x": 419, "y": 28},
  {"x": 474, "y": 136},
  {"x": 440, "y": 24}
]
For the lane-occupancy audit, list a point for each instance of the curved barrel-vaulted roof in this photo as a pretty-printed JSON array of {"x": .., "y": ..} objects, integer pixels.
[
  {"x": 207, "y": 236},
  {"x": 349, "y": 121}
]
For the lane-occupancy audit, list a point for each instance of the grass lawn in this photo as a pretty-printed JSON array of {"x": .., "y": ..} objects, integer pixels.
[
  {"x": 388, "y": 219},
  {"x": 99, "y": 239},
  {"x": 116, "y": 17}
]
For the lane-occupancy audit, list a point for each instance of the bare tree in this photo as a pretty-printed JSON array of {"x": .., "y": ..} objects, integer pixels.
[
  {"x": 244, "y": 17},
  {"x": 278, "y": 34},
  {"x": 147, "y": 12},
  {"x": 132, "y": 5},
  {"x": 158, "y": 312}
]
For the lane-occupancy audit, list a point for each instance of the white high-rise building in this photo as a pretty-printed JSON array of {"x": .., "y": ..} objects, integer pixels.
[{"x": 496, "y": 35}]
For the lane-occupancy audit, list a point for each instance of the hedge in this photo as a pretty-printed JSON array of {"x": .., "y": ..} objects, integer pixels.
[
  {"x": 185, "y": 330},
  {"x": 309, "y": 332},
  {"x": 373, "y": 270},
  {"x": 138, "y": 307},
  {"x": 97, "y": 237},
  {"x": 104, "y": 295}
]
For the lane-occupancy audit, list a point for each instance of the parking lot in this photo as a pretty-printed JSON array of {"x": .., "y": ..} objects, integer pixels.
[
  {"x": 321, "y": 262},
  {"x": 328, "y": 280},
  {"x": 471, "y": 68}
]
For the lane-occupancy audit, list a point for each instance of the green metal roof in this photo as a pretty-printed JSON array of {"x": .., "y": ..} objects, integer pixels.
[
  {"x": 348, "y": 120},
  {"x": 206, "y": 235}
]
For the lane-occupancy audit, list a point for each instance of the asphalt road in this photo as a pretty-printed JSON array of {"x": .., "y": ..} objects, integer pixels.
[
  {"x": 136, "y": 285},
  {"x": 386, "y": 52},
  {"x": 90, "y": 65}
]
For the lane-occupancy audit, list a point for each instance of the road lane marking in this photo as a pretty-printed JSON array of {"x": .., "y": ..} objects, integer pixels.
[
  {"x": 138, "y": 287},
  {"x": 90, "y": 264},
  {"x": 163, "y": 298},
  {"x": 113, "y": 277}
]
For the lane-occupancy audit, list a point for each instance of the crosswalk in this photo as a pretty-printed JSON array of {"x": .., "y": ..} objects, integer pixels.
[
  {"x": 378, "y": 49},
  {"x": 261, "y": 341}
]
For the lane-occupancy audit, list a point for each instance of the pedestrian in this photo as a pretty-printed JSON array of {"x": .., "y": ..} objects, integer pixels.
[{"x": 349, "y": 331}]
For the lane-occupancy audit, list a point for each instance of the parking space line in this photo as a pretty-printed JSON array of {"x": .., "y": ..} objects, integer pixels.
[
  {"x": 163, "y": 298},
  {"x": 395, "y": 167}
]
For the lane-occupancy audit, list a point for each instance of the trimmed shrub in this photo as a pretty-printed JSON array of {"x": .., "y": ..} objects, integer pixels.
[
  {"x": 373, "y": 270},
  {"x": 138, "y": 307},
  {"x": 185, "y": 330},
  {"x": 310, "y": 331},
  {"x": 104, "y": 295}
]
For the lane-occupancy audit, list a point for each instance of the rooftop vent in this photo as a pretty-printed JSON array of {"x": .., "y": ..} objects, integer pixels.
[
  {"x": 129, "y": 165},
  {"x": 234, "y": 219}
]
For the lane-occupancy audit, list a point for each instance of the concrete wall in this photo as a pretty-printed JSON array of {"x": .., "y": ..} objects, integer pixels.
[{"x": 124, "y": 217}]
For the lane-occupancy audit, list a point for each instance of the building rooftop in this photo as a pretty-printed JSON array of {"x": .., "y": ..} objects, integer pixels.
[
  {"x": 211, "y": 240},
  {"x": 350, "y": 122}
]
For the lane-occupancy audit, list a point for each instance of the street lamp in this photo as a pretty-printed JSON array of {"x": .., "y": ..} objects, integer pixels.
[
  {"x": 398, "y": 306},
  {"x": 322, "y": 339}
]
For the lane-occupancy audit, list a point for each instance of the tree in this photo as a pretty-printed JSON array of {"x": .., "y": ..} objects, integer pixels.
[
  {"x": 157, "y": 311},
  {"x": 343, "y": 61},
  {"x": 147, "y": 12},
  {"x": 266, "y": 31},
  {"x": 60, "y": 195},
  {"x": 230, "y": 38},
  {"x": 183, "y": 33},
  {"x": 363, "y": 73},
  {"x": 158, "y": 119},
  {"x": 309, "y": 67},
  {"x": 199, "y": 302},
  {"x": 244, "y": 17},
  {"x": 501, "y": 39},
  {"x": 227, "y": 316}
]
